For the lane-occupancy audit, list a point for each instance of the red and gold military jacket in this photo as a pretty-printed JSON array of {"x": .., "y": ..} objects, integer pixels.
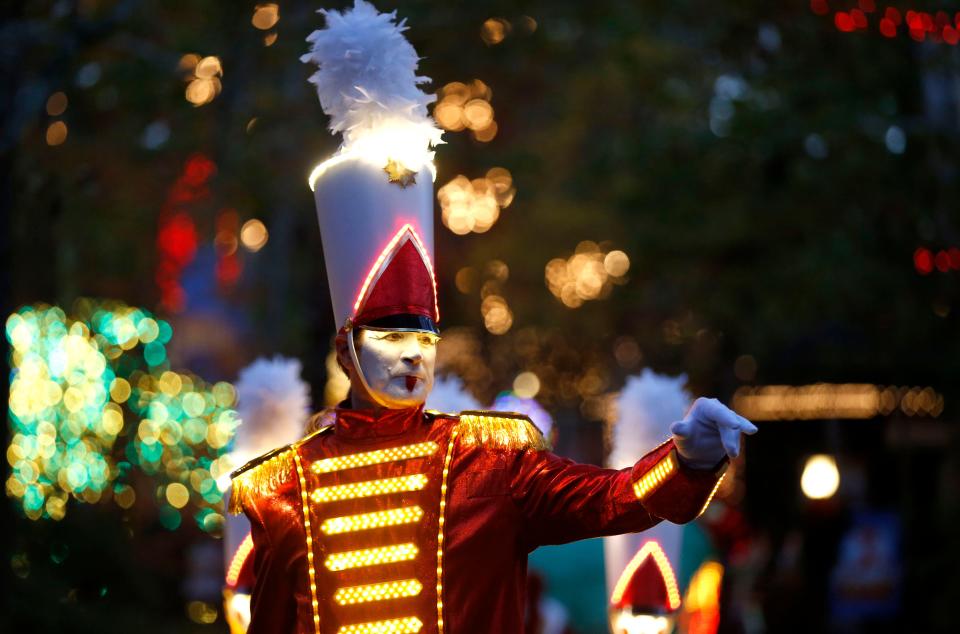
[{"x": 419, "y": 522}]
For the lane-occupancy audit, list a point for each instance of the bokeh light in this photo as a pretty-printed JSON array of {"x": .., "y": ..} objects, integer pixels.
[
  {"x": 203, "y": 78},
  {"x": 589, "y": 273},
  {"x": 463, "y": 106},
  {"x": 474, "y": 205},
  {"x": 494, "y": 30},
  {"x": 92, "y": 397},
  {"x": 56, "y": 133},
  {"x": 821, "y": 478},
  {"x": 57, "y": 104},
  {"x": 265, "y": 16},
  {"x": 253, "y": 235},
  {"x": 497, "y": 316}
]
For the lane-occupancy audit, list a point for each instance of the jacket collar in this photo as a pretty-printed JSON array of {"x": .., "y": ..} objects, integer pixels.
[{"x": 369, "y": 423}]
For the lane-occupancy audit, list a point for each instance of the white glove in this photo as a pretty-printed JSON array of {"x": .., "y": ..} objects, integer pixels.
[{"x": 709, "y": 431}]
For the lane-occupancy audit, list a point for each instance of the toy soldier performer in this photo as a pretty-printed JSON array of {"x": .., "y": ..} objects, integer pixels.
[{"x": 394, "y": 519}]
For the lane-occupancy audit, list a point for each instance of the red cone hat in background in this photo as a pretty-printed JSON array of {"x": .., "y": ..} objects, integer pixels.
[{"x": 646, "y": 596}]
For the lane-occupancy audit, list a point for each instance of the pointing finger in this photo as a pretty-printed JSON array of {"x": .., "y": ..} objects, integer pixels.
[
  {"x": 731, "y": 441},
  {"x": 680, "y": 428}
]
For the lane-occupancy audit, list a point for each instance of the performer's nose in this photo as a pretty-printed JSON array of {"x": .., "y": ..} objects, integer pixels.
[{"x": 412, "y": 353}]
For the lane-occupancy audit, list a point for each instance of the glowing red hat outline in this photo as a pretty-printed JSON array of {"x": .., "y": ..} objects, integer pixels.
[
  {"x": 650, "y": 549},
  {"x": 406, "y": 234}
]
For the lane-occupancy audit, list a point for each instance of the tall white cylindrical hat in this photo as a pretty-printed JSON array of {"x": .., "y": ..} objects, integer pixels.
[{"x": 375, "y": 196}]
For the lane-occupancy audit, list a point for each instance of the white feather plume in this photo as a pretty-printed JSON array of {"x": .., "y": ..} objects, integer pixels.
[
  {"x": 450, "y": 396},
  {"x": 367, "y": 83},
  {"x": 273, "y": 403},
  {"x": 647, "y": 405}
]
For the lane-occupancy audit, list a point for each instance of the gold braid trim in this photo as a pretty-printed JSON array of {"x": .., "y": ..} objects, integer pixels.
[
  {"x": 500, "y": 430},
  {"x": 262, "y": 475}
]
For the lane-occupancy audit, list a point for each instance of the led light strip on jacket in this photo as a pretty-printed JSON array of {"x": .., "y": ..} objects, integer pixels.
[
  {"x": 712, "y": 493},
  {"x": 367, "y": 521},
  {"x": 370, "y": 557},
  {"x": 408, "y": 625},
  {"x": 440, "y": 522},
  {"x": 309, "y": 534},
  {"x": 378, "y": 592},
  {"x": 394, "y": 454},
  {"x": 239, "y": 558},
  {"x": 369, "y": 488},
  {"x": 652, "y": 479}
]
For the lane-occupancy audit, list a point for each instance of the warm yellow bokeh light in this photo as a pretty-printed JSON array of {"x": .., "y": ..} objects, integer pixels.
[
  {"x": 177, "y": 495},
  {"x": 477, "y": 114},
  {"x": 265, "y": 16},
  {"x": 526, "y": 385},
  {"x": 56, "y": 133},
  {"x": 56, "y": 104},
  {"x": 821, "y": 478},
  {"x": 586, "y": 275},
  {"x": 494, "y": 30},
  {"x": 253, "y": 235},
  {"x": 497, "y": 316}
]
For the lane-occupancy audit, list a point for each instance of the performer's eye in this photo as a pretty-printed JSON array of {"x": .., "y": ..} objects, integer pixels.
[
  {"x": 393, "y": 336},
  {"x": 427, "y": 340}
]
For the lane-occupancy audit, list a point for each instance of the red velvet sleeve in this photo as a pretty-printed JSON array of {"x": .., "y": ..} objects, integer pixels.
[
  {"x": 273, "y": 602},
  {"x": 564, "y": 501}
]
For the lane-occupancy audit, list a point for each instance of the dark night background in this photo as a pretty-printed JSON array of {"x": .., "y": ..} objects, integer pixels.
[{"x": 783, "y": 182}]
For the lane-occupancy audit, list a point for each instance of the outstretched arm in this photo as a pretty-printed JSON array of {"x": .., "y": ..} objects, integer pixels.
[{"x": 564, "y": 501}]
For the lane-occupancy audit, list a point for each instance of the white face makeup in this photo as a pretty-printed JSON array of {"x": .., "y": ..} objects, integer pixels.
[{"x": 398, "y": 366}]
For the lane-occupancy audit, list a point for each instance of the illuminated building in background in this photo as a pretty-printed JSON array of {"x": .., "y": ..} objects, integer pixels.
[
  {"x": 828, "y": 400},
  {"x": 92, "y": 396}
]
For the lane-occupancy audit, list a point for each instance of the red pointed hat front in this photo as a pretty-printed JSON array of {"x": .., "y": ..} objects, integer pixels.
[
  {"x": 400, "y": 282},
  {"x": 648, "y": 584}
]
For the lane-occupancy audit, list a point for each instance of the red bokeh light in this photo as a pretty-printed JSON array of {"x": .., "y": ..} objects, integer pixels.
[
  {"x": 228, "y": 270},
  {"x": 888, "y": 28},
  {"x": 198, "y": 170},
  {"x": 844, "y": 22},
  {"x": 178, "y": 239},
  {"x": 859, "y": 19},
  {"x": 954, "y": 254},
  {"x": 923, "y": 261},
  {"x": 819, "y": 7},
  {"x": 869, "y": 6},
  {"x": 942, "y": 260}
]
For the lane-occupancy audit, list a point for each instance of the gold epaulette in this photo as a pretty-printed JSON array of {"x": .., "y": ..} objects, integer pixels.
[
  {"x": 265, "y": 473},
  {"x": 499, "y": 430}
]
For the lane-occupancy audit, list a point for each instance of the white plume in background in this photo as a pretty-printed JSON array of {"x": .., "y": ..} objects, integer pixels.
[
  {"x": 647, "y": 405},
  {"x": 510, "y": 402},
  {"x": 368, "y": 85},
  {"x": 449, "y": 396},
  {"x": 273, "y": 403}
]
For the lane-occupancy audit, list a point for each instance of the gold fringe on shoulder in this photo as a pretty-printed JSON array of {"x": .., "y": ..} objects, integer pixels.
[
  {"x": 500, "y": 430},
  {"x": 260, "y": 476}
]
